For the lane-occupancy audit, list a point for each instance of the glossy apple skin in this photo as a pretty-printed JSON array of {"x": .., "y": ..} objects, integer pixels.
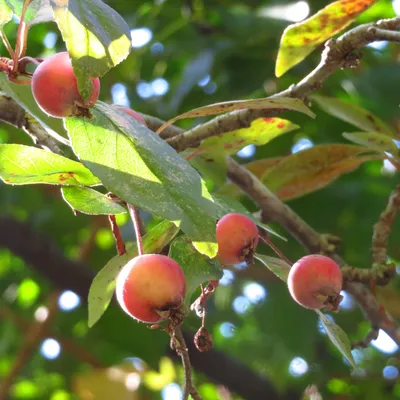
[
  {"x": 312, "y": 275},
  {"x": 237, "y": 238},
  {"x": 150, "y": 283},
  {"x": 55, "y": 87},
  {"x": 133, "y": 114}
]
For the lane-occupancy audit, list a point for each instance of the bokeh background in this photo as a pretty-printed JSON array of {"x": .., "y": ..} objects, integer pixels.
[{"x": 186, "y": 54}]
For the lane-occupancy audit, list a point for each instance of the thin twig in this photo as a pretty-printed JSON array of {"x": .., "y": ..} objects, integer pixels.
[
  {"x": 119, "y": 242},
  {"x": 370, "y": 336},
  {"x": 383, "y": 227},
  {"x": 263, "y": 236},
  {"x": 133, "y": 212},
  {"x": 6, "y": 43},
  {"x": 182, "y": 351}
]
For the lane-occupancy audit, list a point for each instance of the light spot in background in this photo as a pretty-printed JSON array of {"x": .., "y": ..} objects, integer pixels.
[
  {"x": 298, "y": 367},
  {"x": 227, "y": 278},
  {"x": 41, "y": 314},
  {"x": 50, "y": 40},
  {"x": 247, "y": 151},
  {"x": 390, "y": 372},
  {"x": 144, "y": 90},
  {"x": 60, "y": 395},
  {"x": 119, "y": 94},
  {"x": 241, "y": 304},
  {"x": 138, "y": 363},
  {"x": 11, "y": 293},
  {"x": 140, "y": 37},
  {"x": 204, "y": 81},
  {"x": 349, "y": 87},
  {"x": 358, "y": 355},
  {"x": 378, "y": 45},
  {"x": 293, "y": 12},
  {"x": 396, "y": 6},
  {"x": 227, "y": 329},
  {"x": 302, "y": 144},
  {"x": 157, "y": 48},
  {"x": 347, "y": 302},
  {"x": 171, "y": 392},
  {"x": 241, "y": 266},
  {"x": 321, "y": 328},
  {"x": 159, "y": 86},
  {"x": 210, "y": 88},
  {"x": 388, "y": 168},
  {"x": 50, "y": 349},
  {"x": 68, "y": 300},
  {"x": 254, "y": 292},
  {"x": 132, "y": 381},
  {"x": 385, "y": 343}
]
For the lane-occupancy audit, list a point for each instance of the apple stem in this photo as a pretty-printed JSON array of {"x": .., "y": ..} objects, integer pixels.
[
  {"x": 267, "y": 241},
  {"x": 119, "y": 242},
  {"x": 133, "y": 212}
]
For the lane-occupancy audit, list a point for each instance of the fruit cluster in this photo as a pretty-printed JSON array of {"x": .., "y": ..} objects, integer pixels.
[{"x": 151, "y": 286}]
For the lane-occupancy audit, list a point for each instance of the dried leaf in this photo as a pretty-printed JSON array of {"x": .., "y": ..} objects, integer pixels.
[{"x": 299, "y": 40}]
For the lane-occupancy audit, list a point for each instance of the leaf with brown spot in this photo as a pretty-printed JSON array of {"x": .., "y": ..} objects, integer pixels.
[
  {"x": 315, "y": 168},
  {"x": 23, "y": 165},
  {"x": 282, "y": 103},
  {"x": 260, "y": 132},
  {"x": 353, "y": 114},
  {"x": 375, "y": 141},
  {"x": 299, "y": 40}
]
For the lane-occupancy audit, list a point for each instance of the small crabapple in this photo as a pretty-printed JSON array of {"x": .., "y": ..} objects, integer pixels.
[
  {"x": 55, "y": 88},
  {"x": 315, "y": 281},
  {"x": 237, "y": 238},
  {"x": 150, "y": 284},
  {"x": 132, "y": 113}
]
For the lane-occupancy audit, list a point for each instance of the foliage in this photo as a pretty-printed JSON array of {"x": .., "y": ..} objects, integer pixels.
[{"x": 334, "y": 158}]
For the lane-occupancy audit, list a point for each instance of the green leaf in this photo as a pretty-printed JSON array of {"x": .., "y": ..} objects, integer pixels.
[
  {"x": 22, "y": 94},
  {"x": 260, "y": 132},
  {"x": 97, "y": 38},
  {"x": 228, "y": 205},
  {"x": 284, "y": 103},
  {"x": 89, "y": 201},
  {"x": 375, "y": 141},
  {"x": 314, "y": 168},
  {"x": 338, "y": 337},
  {"x": 277, "y": 266},
  {"x": 103, "y": 285},
  {"x": 22, "y": 165},
  {"x": 38, "y": 10},
  {"x": 139, "y": 167},
  {"x": 353, "y": 114},
  {"x": 197, "y": 267},
  {"x": 5, "y": 14},
  {"x": 299, "y": 40}
]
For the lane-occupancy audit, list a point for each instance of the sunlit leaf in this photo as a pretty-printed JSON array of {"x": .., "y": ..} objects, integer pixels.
[
  {"x": 142, "y": 169},
  {"x": 283, "y": 103},
  {"x": 103, "y": 285},
  {"x": 155, "y": 380},
  {"x": 314, "y": 168},
  {"x": 28, "y": 292},
  {"x": 97, "y": 38},
  {"x": 197, "y": 267},
  {"x": 38, "y": 10},
  {"x": 22, "y": 165},
  {"x": 277, "y": 266},
  {"x": 89, "y": 201},
  {"x": 338, "y": 337},
  {"x": 372, "y": 140},
  {"x": 260, "y": 132},
  {"x": 353, "y": 114},
  {"x": 299, "y": 40},
  {"x": 5, "y": 14}
]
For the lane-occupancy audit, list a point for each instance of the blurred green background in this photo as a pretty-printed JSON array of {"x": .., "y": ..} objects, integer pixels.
[{"x": 187, "y": 54}]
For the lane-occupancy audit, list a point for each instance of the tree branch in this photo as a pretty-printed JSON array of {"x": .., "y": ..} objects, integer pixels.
[{"x": 338, "y": 54}]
